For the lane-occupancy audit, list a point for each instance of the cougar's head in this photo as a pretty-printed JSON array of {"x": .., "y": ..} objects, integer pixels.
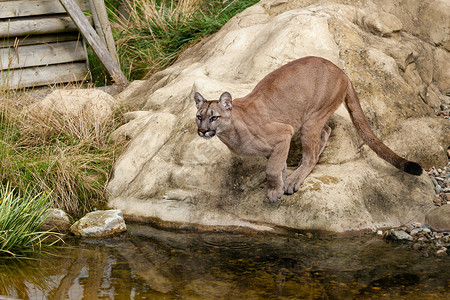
[{"x": 213, "y": 117}]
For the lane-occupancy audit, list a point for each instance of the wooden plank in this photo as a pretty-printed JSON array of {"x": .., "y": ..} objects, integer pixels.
[
  {"x": 22, "y": 27},
  {"x": 41, "y": 55},
  {"x": 39, "y": 39},
  {"x": 11, "y": 9},
  {"x": 94, "y": 41},
  {"x": 37, "y": 76}
]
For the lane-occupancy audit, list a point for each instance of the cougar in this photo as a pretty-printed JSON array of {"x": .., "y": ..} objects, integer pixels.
[{"x": 301, "y": 95}]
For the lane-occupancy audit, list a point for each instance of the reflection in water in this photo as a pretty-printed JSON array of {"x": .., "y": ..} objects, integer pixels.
[{"x": 154, "y": 264}]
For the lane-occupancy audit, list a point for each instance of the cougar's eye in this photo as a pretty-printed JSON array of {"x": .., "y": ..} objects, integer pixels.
[
  {"x": 213, "y": 118},
  {"x": 199, "y": 117}
]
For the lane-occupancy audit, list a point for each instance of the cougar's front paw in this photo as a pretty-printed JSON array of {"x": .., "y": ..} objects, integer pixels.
[
  {"x": 274, "y": 195},
  {"x": 291, "y": 185}
]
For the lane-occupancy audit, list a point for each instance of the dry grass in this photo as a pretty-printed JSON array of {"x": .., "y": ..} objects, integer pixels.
[
  {"x": 156, "y": 32},
  {"x": 65, "y": 156},
  {"x": 160, "y": 16},
  {"x": 144, "y": 35}
]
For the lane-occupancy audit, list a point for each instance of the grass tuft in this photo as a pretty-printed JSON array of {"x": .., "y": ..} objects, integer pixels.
[
  {"x": 66, "y": 156},
  {"x": 20, "y": 218},
  {"x": 153, "y": 33}
]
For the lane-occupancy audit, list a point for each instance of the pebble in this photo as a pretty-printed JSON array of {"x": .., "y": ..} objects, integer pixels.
[
  {"x": 416, "y": 224},
  {"x": 441, "y": 181},
  {"x": 442, "y": 252},
  {"x": 427, "y": 230},
  {"x": 438, "y": 189},
  {"x": 445, "y": 112},
  {"x": 414, "y": 232}
]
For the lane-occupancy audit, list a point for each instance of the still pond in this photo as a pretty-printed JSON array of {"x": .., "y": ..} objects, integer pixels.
[{"x": 149, "y": 263}]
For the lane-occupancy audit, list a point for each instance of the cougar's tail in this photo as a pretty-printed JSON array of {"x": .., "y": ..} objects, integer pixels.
[{"x": 366, "y": 133}]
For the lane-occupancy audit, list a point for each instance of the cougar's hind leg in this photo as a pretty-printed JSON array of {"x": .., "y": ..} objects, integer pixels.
[{"x": 313, "y": 141}]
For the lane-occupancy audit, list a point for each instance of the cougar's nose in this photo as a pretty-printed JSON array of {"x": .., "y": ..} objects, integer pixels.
[{"x": 206, "y": 133}]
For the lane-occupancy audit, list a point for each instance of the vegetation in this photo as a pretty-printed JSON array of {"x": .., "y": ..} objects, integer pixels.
[
  {"x": 157, "y": 31},
  {"x": 20, "y": 219},
  {"x": 53, "y": 160},
  {"x": 66, "y": 158}
]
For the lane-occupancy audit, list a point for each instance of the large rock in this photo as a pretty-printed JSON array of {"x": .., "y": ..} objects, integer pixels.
[
  {"x": 169, "y": 173},
  {"x": 74, "y": 103},
  {"x": 81, "y": 112}
]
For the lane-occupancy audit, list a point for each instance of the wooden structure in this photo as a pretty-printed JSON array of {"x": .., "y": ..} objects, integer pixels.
[
  {"x": 100, "y": 47},
  {"x": 39, "y": 44}
]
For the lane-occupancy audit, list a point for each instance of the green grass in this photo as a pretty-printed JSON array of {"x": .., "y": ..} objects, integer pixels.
[
  {"x": 21, "y": 215},
  {"x": 156, "y": 32}
]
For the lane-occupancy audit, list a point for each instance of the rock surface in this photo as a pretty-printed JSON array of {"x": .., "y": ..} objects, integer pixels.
[
  {"x": 398, "y": 62},
  {"x": 73, "y": 103},
  {"x": 101, "y": 223}
]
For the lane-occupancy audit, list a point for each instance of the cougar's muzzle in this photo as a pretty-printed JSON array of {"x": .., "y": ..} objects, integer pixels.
[{"x": 206, "y": 133}]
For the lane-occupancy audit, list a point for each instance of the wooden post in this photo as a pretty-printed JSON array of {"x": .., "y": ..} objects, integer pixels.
[
  {"x": 99, "y": 13},
  {"x": 93, "y": 39}
]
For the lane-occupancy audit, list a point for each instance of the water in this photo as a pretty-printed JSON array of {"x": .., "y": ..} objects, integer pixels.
[{"x": 149, "y": 263}]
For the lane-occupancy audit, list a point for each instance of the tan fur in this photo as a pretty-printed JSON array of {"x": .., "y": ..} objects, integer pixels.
[{"x": 301, "y": 95}]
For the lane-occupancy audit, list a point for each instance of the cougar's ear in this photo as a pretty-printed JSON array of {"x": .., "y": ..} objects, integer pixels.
[
  {"x": 225, "y": 100},
  {"x": 199, "y": 100}
]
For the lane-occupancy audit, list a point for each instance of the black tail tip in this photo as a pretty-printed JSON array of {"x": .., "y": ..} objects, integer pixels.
[{"x": 413, "y": 168}]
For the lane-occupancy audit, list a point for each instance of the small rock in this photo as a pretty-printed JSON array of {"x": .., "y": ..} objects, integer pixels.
[
  {"x": 418, "y": 246},
  {"x": 442, "y": 252},
  {"x": 415, "y": 231},
  {"x": 102, "y": 223},
  {"x": 56, "y": 220},
  {"x": 422, "y": 239},
  {"x": 380, "y": 232},
  {"x": 435, "y": 173},
  {"x": 438, "y": 201},
  {"x": 416, "y": 224},
  {"x": 439, "y": 218},
  {"x": 397, "y": 235}
]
